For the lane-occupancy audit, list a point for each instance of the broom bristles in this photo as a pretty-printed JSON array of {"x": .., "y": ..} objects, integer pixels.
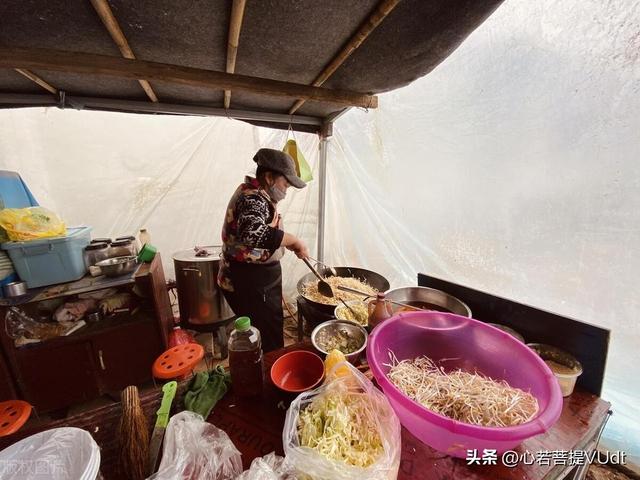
[{"x": 133, "y": 435}]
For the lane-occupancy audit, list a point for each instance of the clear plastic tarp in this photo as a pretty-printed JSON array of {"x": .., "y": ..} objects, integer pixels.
[
  {"x": 512, "y": 168},
  {"x": 171, "y": 175}
]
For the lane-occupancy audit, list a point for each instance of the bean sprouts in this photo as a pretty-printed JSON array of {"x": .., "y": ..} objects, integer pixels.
[{"x": 467, "y": 397}]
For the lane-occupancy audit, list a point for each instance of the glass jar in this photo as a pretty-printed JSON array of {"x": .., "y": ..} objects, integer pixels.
[
  {"x": 95, "y": 252},
  {"x": 122, "y": 248},
  {"x": 133, "y": 241}
]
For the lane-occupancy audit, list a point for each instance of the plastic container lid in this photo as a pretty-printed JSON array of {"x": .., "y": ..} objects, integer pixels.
[
  {"x": 101, "y": 240},
  {"x": 121, "y": 243},
  {"x": 127, "y": 237},
  {"x": 72, "y": 234},
  {"x": 242, "y": 324},
  {"x": 97, "y": 246}
]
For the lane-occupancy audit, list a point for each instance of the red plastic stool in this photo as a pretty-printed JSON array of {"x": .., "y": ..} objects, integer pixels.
[
  {"x": 178, "y": 361},
  {"x": 13, "y": 414}
]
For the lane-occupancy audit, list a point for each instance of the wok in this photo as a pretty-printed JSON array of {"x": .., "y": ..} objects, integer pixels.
[{"x": 374, "y": 279}]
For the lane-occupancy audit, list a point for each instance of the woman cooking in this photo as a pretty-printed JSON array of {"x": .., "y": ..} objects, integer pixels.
[{"x": 253, "y": 244}]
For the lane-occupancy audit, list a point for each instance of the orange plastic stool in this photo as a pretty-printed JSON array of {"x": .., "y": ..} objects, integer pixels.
[
  {"x": 178, "y": 361},
  {"x": 13, "y": 414}
]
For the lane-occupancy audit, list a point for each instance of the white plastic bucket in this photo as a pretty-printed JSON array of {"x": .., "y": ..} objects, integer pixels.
[{"x": 58, "y": 454}]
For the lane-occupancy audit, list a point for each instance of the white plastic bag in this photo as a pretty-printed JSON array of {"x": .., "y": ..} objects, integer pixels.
[
  {"x": 194, "y": 449},
  {"x": 374, "y": 411},
  {"x": 269, "y": 467}
]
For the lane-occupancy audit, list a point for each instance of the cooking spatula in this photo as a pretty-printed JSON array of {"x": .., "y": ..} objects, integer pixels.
[{"x": 323, "y": 287}]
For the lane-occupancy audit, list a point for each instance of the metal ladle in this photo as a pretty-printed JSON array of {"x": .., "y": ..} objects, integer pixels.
[
  {"x": 323, "y": 287},
  {"x": 326, "y": 267},
  {"x": 400, "y": 304},
  {"x": 350, "y": 309}
]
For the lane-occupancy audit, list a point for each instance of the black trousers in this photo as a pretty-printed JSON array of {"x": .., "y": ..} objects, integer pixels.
[{"x": 258, "y": 295}]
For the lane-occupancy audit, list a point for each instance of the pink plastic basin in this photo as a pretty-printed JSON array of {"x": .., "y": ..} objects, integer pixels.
[{"x": 477, "y": 347}]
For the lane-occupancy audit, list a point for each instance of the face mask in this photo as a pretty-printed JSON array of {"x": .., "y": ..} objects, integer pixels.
[{"x": 276, "y": 194}]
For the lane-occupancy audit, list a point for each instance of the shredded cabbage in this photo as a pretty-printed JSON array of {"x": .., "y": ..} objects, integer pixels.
[{"x": 340, "y": 425}]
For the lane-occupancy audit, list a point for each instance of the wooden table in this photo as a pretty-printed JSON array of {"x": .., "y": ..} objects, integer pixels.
[{"x": 255, "y": 426}]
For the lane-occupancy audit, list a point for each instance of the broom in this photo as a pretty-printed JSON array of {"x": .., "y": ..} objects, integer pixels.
[{"x": 133, "y": 435}]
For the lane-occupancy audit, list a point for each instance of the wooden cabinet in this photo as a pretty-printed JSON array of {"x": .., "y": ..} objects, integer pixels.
[
  {"x": 53, "y": 378},
  {"x": 124, "y": 356},
  {"x": 7, "y": 386},
  {"x": 100, "y": 358}
]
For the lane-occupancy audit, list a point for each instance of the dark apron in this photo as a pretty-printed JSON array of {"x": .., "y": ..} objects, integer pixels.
[{"x": 258, "y": 295}]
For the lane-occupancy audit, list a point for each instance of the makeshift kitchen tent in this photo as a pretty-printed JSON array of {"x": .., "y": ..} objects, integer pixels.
[{"x": 481, "y": 139}]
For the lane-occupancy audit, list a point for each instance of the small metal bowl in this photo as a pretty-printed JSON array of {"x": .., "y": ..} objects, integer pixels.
[
  {"x": 114, "y": 267},
  {"x": 15, "y": 289},
  {"x": 340, "y": 310},
  {"x": 331, "y": 327},
  {"x": 509, "y": 330}
]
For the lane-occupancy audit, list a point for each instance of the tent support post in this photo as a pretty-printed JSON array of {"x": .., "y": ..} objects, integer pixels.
[{"x": 322, "y": 181}]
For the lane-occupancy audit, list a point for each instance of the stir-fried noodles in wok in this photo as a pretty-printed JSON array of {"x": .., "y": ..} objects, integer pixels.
[{"x": 310, "y": 290}]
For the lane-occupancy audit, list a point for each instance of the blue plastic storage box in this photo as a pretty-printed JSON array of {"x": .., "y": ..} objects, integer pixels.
[{"x": 50, "y": 260}]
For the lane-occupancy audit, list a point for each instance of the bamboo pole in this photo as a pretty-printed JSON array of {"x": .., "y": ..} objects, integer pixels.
[
  {"x": 45, "y": 59},
  {"x": 235, "y": 25},
  {"x": 35, "y": 78},
  {"x": 109, "y": 20},
  {"x": 383, "y": 9}
]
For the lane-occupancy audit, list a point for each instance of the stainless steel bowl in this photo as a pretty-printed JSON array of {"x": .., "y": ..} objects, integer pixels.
[
  {"x": 440, "y": 299},
  {"x": 114, "y": 267},
  {"x": 14, "y": 289},
  {"x": 509, "y": 330},
  {"x": 332, "y": 327}
]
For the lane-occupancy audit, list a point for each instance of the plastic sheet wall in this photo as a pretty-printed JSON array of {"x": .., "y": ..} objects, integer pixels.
[
  {"x": 512, "y": 168},
  {"x": 172, "y": 175}
]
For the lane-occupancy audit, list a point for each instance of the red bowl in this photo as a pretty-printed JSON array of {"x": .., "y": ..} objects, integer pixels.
[{"x": 297, "y": 371}]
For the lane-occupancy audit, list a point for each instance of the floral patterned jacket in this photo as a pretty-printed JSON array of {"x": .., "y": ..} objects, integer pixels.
[{"x": 251, "y": 232}]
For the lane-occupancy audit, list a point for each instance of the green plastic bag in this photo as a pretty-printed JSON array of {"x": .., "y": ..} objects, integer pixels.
[{"x": 302, "y": 167}]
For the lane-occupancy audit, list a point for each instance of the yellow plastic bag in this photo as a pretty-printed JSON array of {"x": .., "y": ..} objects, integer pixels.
[
  {"x": 302, "y": 167},
  {"x": 31, "y": 223}
]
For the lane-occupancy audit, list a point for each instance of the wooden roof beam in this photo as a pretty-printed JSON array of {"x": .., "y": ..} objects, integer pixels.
[
  {"x": 235, "y": 24},
  {"x": 109, "y": 20},
  {"x": 45, "y": 59},
  {"x": 39, "y": 80},
  {"x": 383, "y": 9}
]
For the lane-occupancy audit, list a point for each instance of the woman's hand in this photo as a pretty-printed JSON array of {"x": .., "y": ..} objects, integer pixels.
[
  {"x": 299, "y": 248},
  {"x": 296, "y": 245}
]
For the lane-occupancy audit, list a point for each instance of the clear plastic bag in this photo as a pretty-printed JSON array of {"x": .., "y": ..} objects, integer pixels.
[
  {"x": 195, "y": 449},
  {"x": 269, "y": 467},
  {"x": 31, "y": 223},
  {"x": 373, "y": 410}
]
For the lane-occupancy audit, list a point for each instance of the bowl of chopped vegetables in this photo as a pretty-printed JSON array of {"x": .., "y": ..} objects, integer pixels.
[
  {"x": 342, "y": 335},
  {"x": 360, "y": 308}
]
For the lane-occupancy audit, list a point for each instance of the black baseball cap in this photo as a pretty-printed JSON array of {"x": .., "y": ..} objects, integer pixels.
[{"x": 280, "y": 162}]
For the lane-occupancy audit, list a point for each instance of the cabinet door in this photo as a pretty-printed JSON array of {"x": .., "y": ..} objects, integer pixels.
[
  {"x": 125, "y": 355},
  {"x": 57, "y": 377},
  {"x": 7, "y": 389}
]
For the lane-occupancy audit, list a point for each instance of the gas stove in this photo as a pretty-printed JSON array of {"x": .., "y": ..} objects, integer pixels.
[{"x": 310, "y": 315}]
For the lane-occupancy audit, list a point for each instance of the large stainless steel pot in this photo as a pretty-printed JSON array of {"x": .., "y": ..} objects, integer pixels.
[
  {"x": 374, "y": 279},
  {"x": 201, "y": 301},
  {"x": 419, "y": 296}
]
